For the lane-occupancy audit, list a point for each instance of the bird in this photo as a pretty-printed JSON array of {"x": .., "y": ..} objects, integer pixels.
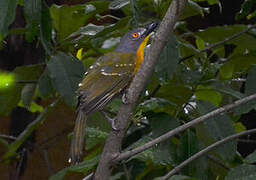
[{"x": 107, "y": 78}]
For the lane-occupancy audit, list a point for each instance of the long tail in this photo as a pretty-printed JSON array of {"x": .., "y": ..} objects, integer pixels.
[{"x": 77, "y": 143}]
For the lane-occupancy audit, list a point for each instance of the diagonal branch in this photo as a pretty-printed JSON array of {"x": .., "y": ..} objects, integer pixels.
[
  {"x": 219, "y": 43},
  {"x": 206, "y": 150},
  {"x": 113, "y": 143},
  {"x": 130, "y": 153}
]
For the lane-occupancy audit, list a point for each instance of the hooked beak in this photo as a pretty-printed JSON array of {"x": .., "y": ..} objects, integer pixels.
[{"x": 150, "y": 29}]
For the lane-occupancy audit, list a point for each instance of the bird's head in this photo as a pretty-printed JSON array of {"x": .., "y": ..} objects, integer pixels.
[{"x": 136, "y": 39}]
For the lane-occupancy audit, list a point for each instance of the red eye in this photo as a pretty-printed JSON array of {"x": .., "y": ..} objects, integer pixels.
[{"x": 135, "y": 35}]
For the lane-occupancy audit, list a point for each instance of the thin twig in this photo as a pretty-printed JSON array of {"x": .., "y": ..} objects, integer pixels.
[
  {"x": 206, "y": 150},
  {"x": 219, "y": 111},
  {"x": 219, "y": 43},
  {"x": 88, "y": 177},
  {"x": 30, "y": 128},
  {"x": 4, "y": 136}
]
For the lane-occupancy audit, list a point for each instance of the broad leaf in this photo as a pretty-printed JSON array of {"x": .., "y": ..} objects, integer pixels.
[
  {"x": 162, "y": 123},
  {"x": 32, "y": 11},
  {"x": 208, "y": 94},
  {"x": 65, "y": 72},
  {"x": 83, "y": 167},
  {"x": 242, "y": 172},
  {"x": 45, "y": 85},
  {"x": 27, "y": 94},
  {"x": 218, "y": 128},
  {"x": 188, "y": 146},
  {"x": 168, "y": 61},
  {"x": 67, "y": 19},
  {"x": 7, "y": 15},
  {"x": 251, "y": 158}
]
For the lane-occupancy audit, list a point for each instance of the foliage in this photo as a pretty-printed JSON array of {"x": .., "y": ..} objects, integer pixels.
[{"x": 74, "y": 36}]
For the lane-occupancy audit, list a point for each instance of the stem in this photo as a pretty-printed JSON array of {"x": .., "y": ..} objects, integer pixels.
[
  {"x": 218, "y": 43},
  {"x": 206, "y": 150}
]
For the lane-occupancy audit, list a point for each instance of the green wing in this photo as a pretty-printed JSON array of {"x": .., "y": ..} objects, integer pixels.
[{"x": 106, "y": 78}]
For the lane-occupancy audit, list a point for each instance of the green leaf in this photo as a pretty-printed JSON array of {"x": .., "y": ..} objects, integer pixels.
[
  {"x": 9, "y": 98},
  {"x": 94, "y": 136},
  {"x": 28, "y": 73},
  {"x": 45, "y": 85},
  {"x": 239, "y": 127},
  {"x": 242, "y": 172},
  {"x": 32, "y": 11},
  {"x": 10, "y": 92},
  {"x": 250, "y": 85},
  {"x": 46, "y": 28},
  {"x": 169, "y": 59},
  {"x": 145, "y": 155},
  {"x": 246, "y": 8},
  {"x": 212, "y": 2},
  {"x": 162, "y": 123},
  {"x": 193, "y": 9},
  {"x": 216, "y": 34},
  {"x": 7, "y": 79},
  {"x": 157, "y": 105},
  {"x": 218, "y": 128},
  {"x": 7, "y": 15},
  {"x": 189, "y": 145},
  {"x": 227, "y": 90},
  {"x": 237, "y": 65},
  {"x": 68, "y": 19},
  {"x": 83, "y": 167},
  {"x": 65, "y": 72},
  {"x": 175, "y": 93},
  {"x": 206, "y": 93},
  {"x": 252, "y": 15},
  {"x": 27, "y": 94},
  {"x": 251, "y": 158},
  {"x": 200, "y": 44}
]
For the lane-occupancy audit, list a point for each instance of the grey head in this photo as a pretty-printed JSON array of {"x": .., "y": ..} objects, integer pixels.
[{"x": 132, "y": 40}]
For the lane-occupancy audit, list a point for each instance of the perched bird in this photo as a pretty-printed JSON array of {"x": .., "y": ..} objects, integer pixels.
[{"x": 106, "y": 78}]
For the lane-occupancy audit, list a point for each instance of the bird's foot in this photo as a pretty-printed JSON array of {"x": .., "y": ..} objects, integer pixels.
[
  {"x": 124, "y": 98},
  {"x": 111, "y": 121}
]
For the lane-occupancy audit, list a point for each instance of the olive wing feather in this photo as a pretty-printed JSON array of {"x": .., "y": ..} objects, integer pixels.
[{"x": 106, "y": 78}]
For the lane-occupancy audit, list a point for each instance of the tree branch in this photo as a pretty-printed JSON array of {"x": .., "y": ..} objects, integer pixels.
[
  {"x": 179, "y": 129},
  {"x": 219, "y": 43},
  {"x": 113, "y": 143},
  {"x": 206, "y": 150}
]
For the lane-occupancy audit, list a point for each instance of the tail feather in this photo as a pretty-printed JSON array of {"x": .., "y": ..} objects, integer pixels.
[{"x": 77, "y": 143}]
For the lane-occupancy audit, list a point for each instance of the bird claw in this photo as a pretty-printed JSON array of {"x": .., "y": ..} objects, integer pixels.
[
  {"x": 113, "y": 125},
  {"x": 124, "y": 98},
  {"x": 110, "y": 121}
]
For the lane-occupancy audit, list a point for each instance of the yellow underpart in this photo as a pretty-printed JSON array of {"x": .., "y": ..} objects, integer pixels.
[{"x": 140, "y": 54}]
